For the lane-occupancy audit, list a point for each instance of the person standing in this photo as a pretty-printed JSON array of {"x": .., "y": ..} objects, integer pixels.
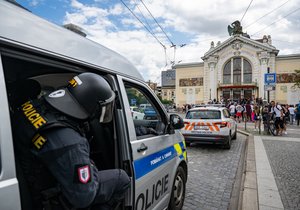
[
  {"x": 232, "y": 110},
  {"x": 292, "y": 114},
  {"x": 257, "y": 117},
  {"x": 277, "y": 109},
  {"x": 239, "y": 110},
  {"x": 248, "y": 111},
  {"x": 297, "y": 112}
]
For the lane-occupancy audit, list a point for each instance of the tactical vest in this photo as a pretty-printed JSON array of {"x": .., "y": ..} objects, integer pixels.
[{"x": 30, "y": 121}]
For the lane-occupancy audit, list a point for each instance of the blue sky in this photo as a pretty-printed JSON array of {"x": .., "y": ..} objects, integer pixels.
[{"x": 192, "y": 22}]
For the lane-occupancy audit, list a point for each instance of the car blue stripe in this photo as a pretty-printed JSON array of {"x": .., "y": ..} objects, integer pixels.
[
  {"x": 147, "y": 164},
  {"x": 182, "y": 146}
]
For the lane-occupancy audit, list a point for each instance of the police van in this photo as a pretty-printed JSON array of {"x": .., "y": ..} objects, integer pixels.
[{"x": 37, "y": 57}]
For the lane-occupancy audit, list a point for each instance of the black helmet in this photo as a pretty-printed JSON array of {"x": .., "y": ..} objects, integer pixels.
[{"x": 88, "y": 95}]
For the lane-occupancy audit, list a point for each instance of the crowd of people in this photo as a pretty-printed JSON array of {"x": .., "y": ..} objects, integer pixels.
[{"x": 257, "y": 111}]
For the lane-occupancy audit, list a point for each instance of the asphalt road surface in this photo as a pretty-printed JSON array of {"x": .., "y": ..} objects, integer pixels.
[{"x": 212, "y": 172}]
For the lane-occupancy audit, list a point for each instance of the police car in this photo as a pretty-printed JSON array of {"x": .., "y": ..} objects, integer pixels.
[
  {"x": 209, "y": 124},
  {"x": 37, "y": 57}
]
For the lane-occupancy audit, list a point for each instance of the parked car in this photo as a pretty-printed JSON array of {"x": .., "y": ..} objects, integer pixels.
[
  {"x": 136, "y": 113},
  {"x": 150, "y": 114},
  {"x": 209, "y": 125}
]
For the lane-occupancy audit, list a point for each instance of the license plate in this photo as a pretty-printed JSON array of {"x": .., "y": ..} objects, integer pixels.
[{"x": 201, "y": 127}]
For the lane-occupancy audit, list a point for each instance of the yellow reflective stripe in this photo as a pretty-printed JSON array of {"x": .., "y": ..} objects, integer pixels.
[{"x": 178, "y": 149}]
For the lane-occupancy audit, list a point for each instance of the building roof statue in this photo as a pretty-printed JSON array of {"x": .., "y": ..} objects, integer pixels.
[{"x": 236, "y": 28}]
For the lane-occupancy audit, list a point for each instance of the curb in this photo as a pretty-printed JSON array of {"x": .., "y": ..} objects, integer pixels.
[
  {"x": 243, "y": 132},
  {"x": 248, "y": 199}
]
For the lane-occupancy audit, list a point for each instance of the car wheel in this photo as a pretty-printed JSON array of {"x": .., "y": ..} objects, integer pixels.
[
  {"x": 227, "y": 145},
  {"x": 234, "y": 136},
  {"x": 178, "y": 190},
  {"x": 187, "y": 143}
]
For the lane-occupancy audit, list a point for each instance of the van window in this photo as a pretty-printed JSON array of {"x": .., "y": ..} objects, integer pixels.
[{"x": 148, "y": 121}]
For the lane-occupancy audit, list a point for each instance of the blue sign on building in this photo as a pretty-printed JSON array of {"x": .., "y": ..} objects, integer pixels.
[{"x": 270, "y": 78}]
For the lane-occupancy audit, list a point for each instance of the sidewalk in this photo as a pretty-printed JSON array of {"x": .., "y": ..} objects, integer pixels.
[{"x": 272, "y": 170}]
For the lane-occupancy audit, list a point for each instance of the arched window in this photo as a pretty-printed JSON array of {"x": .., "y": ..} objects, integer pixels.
[
  {"x": 237, "y": 70},
  {"x": 227, "y": 73},
  {"x": 239, "y": 65},
  {"x": 247, "y": 72}
]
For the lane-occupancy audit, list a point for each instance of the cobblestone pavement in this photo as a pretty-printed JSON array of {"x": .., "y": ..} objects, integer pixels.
[
  {"x": 212, "y": 172},
  {"x": 284, "y": 157}
]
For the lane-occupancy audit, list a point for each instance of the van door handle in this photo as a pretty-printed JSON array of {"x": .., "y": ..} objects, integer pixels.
[{"x": 142, "y": 148}]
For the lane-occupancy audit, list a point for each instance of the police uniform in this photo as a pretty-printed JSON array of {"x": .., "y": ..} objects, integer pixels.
[{"x": 54, "y": 155}]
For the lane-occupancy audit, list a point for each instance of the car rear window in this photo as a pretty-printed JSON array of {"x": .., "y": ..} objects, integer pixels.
[{"x": 204, "y": 114}]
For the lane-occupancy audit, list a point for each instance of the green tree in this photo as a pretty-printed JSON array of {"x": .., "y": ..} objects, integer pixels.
[{"x": 297, "y": 78}]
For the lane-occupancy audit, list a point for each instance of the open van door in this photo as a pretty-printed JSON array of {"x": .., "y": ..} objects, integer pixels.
[{"x": 9, "y": 189}]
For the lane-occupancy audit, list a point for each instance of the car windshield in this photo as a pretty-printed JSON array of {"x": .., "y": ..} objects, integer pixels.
[{"x": 203, "y": 114}]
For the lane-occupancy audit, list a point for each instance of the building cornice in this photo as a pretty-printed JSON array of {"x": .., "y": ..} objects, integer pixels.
[
  {"x": 288, "y": 57},
  {"x": 188, "y": 65}
]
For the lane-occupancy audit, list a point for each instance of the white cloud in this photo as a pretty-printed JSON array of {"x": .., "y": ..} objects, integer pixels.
[
  {"x": 34, "y": 3},
  {"x": 116, "y": 10},
  {"x": 199, "y": 23}
]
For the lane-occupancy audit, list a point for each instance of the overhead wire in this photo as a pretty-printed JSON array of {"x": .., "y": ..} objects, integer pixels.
[
  {"x": 143, "y": 25},
  {"x": 276, "y": 21},
  {"x": 246, "y": 11},
  {"x": 136, "y": 4},
  {"x": 172, "y": 44},
  {"x": 157, "y": 23},
  {"x": 266, "y": 14}
]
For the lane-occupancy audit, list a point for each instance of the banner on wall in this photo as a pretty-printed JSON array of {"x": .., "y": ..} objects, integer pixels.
[{"x": 286, "y": 78}]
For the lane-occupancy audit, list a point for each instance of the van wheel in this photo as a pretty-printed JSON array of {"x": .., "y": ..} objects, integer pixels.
[{"x": 178, "y": 190}]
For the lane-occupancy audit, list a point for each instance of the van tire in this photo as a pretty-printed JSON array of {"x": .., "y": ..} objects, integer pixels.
[{"x": 178, "y": 190}]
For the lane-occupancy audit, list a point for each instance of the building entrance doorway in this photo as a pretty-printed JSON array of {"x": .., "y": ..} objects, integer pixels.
[
  {"x": 236, "y": 94},
  {"x": 226, "y": 95},
  {"x": 248, "y": 94}
]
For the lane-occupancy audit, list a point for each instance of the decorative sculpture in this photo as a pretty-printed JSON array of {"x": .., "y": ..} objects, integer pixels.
[{"x": 235, "y": 28}]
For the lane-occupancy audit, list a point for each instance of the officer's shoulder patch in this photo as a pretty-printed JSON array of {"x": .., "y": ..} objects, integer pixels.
[{"x": 82, "y": 173}]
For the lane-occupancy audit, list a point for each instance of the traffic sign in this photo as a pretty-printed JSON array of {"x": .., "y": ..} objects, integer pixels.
[
  {"x": 270, "y": 78},
  {"x": 133, "y": 101},
  {"x": 269, "y": 87}
]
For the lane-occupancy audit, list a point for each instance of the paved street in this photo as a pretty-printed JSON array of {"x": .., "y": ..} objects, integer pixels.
[
  {"x": 284, "y": 159},
  {"x": 212, "y": 172}
]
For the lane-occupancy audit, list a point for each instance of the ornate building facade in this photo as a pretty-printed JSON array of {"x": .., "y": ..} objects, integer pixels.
[{"x": 235, "y": 69}]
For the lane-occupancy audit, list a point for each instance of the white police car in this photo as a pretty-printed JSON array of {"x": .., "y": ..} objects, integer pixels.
[{"x": 208, "y": 124}]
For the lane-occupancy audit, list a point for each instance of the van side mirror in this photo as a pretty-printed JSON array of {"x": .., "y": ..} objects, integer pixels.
[{"x": 176, "y": 121}]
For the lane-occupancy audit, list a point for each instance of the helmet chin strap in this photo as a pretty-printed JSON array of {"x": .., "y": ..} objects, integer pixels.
[{"x": 102, "y": 114}]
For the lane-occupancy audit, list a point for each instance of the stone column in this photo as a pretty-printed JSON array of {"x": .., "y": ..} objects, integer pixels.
[
  {"x": 264, "y": 62},
  {"x": 242, "y": 70},
  {"x": 212, "y": 61}
]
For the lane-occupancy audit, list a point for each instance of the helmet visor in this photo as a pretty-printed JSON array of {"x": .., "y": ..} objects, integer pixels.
[{"x": 107, "y": 108}]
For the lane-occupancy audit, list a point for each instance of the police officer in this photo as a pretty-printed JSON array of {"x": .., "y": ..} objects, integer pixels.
[{"x": 52, "y": 135}]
